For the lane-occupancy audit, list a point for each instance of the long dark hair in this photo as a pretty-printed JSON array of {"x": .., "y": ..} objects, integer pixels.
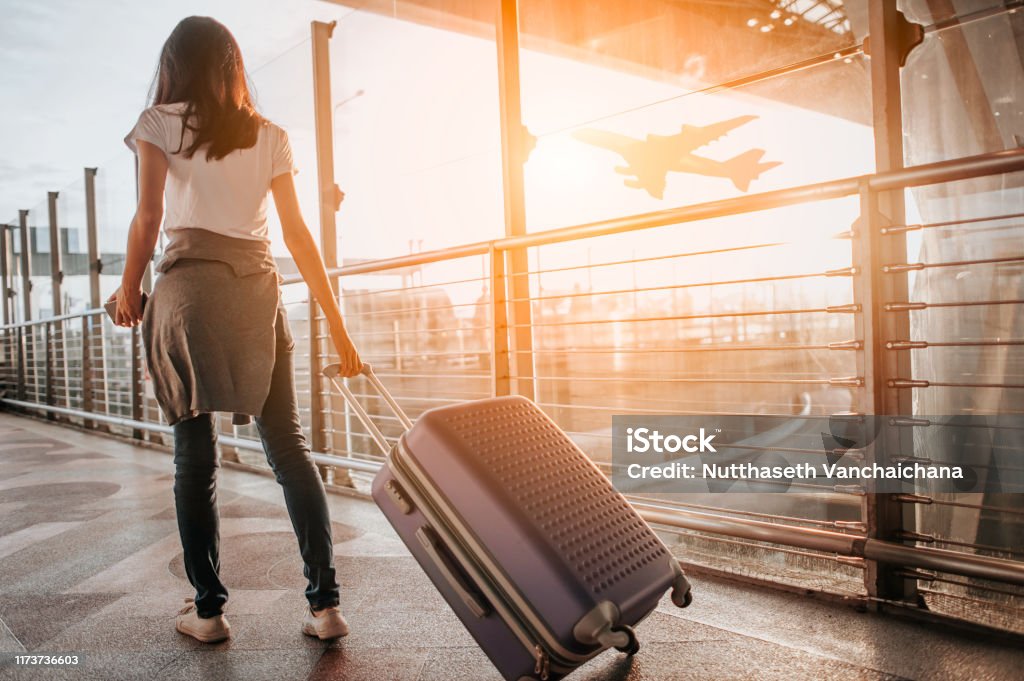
[{"x": 201, "y": 66}]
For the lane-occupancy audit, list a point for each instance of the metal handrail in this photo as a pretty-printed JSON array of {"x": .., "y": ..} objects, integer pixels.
[
  {"x": 999, "y": 162},
  {"x": 993, "y": 163},
  {"x": 965, "y": 564}
]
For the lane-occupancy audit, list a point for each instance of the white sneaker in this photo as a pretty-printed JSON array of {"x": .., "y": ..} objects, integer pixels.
[
  {"x": 324, "y": 624},
  {"x": 205, "y": 629}
]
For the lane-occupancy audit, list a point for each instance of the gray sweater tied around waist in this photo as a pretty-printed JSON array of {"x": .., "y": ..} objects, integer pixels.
[{"x": 212, "y": 326}]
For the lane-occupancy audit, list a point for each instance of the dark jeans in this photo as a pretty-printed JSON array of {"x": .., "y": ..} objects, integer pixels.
[{"x": 195, "y": 495}]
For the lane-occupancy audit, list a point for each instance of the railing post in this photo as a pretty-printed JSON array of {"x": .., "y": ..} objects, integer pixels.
[
  {"x": 135, "y": 398},
  {"x": 8, "y": 318},
  {"x": 26, "y": 265},
  {"x": 22, "y": 391},
  {"x": 871, "y": 398},
  {"x": 100, "y": 365},
  {"x": 26, "y": 348},
  {"x": 514, "y": 150},
  {"x": 48, "y": 368},
  {"x": 316, "y": 412},
  {"x": 87, "y": 402},
  {"x": 92, "y": 238},
  {"x": 500, "y": 369}
]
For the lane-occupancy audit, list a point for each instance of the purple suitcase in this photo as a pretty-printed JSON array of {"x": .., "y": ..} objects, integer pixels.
[{"x": 538, "y": 555}]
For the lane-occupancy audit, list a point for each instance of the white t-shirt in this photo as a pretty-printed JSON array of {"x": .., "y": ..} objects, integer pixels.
[{"x": 228, "y": 196}]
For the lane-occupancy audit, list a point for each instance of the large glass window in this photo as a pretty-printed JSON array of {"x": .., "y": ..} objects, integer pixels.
[
  {"x": 644, "y": 105},
  {"x": 416, "y": 127}
]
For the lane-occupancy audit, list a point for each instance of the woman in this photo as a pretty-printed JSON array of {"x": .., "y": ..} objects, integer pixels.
[{"x": 215, "y": 332}]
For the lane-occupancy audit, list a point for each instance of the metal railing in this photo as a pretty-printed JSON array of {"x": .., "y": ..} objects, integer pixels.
[{"x": 655, "y": 332}]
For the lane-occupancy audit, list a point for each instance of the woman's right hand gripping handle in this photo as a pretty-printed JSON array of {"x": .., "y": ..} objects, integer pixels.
[{"x": 349, "y": 363}]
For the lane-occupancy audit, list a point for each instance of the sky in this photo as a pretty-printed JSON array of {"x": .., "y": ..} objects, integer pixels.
[{"x": 74, "y": 76}]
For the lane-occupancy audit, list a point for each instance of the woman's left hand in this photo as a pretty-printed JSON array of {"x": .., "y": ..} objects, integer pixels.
[{"x": 129, "y": 306}]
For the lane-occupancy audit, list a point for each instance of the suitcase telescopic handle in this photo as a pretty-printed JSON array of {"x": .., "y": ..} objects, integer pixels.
[
  {"x": 367, "y": 371},
  {"x": 331, "y": 371}
]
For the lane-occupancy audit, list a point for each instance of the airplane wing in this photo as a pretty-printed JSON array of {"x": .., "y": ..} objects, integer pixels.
[
  {"x": 693, "y": 137},
  {"x": 652, "y": 182},
  {"x": 613, "y": 141}
]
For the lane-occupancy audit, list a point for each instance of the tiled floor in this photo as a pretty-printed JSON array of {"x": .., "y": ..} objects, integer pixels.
[{"x": 90, "y": 564}]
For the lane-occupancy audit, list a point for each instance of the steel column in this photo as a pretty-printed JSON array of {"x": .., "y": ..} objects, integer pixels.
[
  {"x": 92, "y": 238},
  {"x": 25, "y": 347},
  {"x": 56, "y": 273},
  {"x": 6, "y": 270},
  {"x": 885, "y": 516},
  {"x": 55, "y": 334},
  {"x": 323, "y": 115},
  {"x": 514, "y": 138},
  {"x": 26, "y": 265}
]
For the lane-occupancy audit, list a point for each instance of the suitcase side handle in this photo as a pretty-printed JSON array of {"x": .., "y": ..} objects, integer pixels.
[
  {"x": 331, "y": 372},
  {"x": 439, "y": 554}
]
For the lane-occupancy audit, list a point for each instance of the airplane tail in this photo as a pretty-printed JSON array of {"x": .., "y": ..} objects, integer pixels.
[{"x": 746, "y": 167}]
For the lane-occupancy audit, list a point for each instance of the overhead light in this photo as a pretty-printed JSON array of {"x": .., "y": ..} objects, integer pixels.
[
  {"x": 752, "y": 23},
  {"x": 766, "y": 28},
  {"x": 789, "y": 21},
  {"x": 775, "y": 14}
]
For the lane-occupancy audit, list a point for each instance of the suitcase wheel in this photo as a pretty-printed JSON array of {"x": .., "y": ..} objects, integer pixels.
[
  {"x": 681, "y": 594},
  {"x": 631, "y": 648},
  {"x": 682, "y": 600}
]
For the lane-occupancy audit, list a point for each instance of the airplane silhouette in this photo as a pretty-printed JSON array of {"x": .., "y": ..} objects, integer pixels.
[{"x": 650, "y": 161}]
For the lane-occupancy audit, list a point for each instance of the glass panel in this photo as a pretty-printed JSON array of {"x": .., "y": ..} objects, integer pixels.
[
  {"x": 284, "y": 93},
  {"x": 39, "y": 251},
  {"x": 115, "y": 208},
  {"x": 74, "y": 247},
  {"x": 427, "y": 332},
  {"x": 615, "y": 139},
  {"x": 971, "y": 288},
  {"x": 963, "y": 88},
  {"x": 416, "y": 128}
]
